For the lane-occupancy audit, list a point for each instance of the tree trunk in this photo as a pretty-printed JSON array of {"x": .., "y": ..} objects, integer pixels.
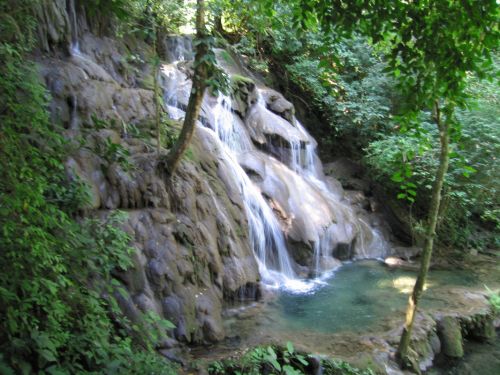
[
  {"x": 218, "y": 24},
  {"x": 404, "y": 344},
  {"x": 156, "y": 72},
  {"x": 196, "y": 97}
]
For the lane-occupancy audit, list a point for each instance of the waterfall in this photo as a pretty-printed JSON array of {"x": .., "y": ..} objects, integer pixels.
[
  {"x": 266, "y": 237},
  {"x": 309, "y": 163},
  {"x": 289, "y": 196},
  {"x": 178, "y": 48},
  {"x": 75, "y": 45}
]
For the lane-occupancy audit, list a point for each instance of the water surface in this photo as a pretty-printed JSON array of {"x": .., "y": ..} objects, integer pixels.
[{"x": 357, "y": 297}]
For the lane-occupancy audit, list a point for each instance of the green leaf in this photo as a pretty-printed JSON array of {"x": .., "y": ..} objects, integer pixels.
[
  {"x": 302, "y": 360},
  {"x": 396, "y": 177},
  {"x": 289, "y": 370},
  {"x": 289, "y": 347},
  {"x": 47, "y": 355}
]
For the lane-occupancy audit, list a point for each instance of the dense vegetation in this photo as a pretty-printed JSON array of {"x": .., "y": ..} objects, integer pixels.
[
  {"x": 58, "y": 314},
  {"x": 286, "y": 361},
  {"x": 357, "y": 103}
]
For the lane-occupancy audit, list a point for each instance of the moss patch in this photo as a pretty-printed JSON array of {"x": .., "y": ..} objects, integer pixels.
[{"x": 450, "y": 333}]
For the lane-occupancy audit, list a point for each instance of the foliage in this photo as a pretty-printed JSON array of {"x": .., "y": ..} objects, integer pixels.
[
  {"x": 345, "y": 76},
  {"x": 336, "y": 367},
  {"x": 277, "y": 360},
  {"x": 217, "y": 80},
  {"x": 136, "y": 17},
  {"x": 119, "y": 8},
  {"x": 346, "y": 82},
  {"x": 470, "y": 204},
  {"x": 494, "y": 299},
  {"x": 170, "y": 15},
  {"x": 430, "y": 58},
  {"x": 263, "y": 360},
  {"x": 342, "y": 78},
  {"x": 112, "y": 152},
  {"x": 57, "y": 311}
]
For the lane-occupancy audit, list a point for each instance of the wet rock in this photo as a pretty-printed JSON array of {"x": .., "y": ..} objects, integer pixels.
[
  {"x": 479, "y": 327},
  {"x": 278, "y": 104},
  {"x": 168, "y": 343},
  {"x": 396, "y": 215},
  {"x": 435, "y": 343},
  {"x": 172, "y": 307},
  {"x": 343, "y": 251},
  {"x": 156, "y": 271},
  {"x": 54, "y": 26},
  {"x": 135, "y": 278},
  {"x": 248, "y": 292},
  {"x": 175, "y": 355},
  {"x": 245, "y": 94},
  {"x": 212, "y": 330},
  {"x": 301, "y": 252},
  {"x": 406, "y": 252},
  {"x": 262, "y": 124},
  {"x": 395, "y": 262}
]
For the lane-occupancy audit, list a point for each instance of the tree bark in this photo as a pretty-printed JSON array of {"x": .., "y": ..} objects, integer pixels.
[
  {"x": 196, "y": 96},
  {"x": 444, "y": 138},
  {"x": 218, "y": 24},
  {"x": 156, "y": 93}
]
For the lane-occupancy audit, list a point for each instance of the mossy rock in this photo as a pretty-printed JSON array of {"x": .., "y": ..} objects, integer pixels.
[
  {"x": 238, "y": 80},
  {"x": 479, "y": 327},
  {"x": 227, "y": 57},
  {"x": 244, "y": 93},
  {"x": 450, "y": 333}
]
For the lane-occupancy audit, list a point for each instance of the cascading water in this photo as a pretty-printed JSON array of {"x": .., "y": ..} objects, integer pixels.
[
  {"x": 293, "y": 186},
  {"x": 75, "y": 45},
  {"x": 265, "y": 233}
]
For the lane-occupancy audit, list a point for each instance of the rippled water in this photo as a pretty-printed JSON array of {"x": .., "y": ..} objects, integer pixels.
[{"x": 358, "y": 296}]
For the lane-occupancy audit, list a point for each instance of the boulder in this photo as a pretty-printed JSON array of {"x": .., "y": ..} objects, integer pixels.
[
  {"x": 450, "y": 334},
  {"x": 277, "y": 103},
  {"x": 244, "y": 94}
]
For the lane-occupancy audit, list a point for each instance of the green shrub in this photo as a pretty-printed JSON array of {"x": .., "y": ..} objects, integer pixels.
[
  {"x": 277, "y": 360},
  {"x": 407, "y": 161},
  {"x": 57, "y": 313}
]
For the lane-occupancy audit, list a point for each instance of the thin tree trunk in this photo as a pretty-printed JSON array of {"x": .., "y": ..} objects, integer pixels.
[
  {"x": 196, "y": 97},
  {"x": 156, "y": 98},
  {"x": 218, "y": 24},
  {"x": 404, "y": 344},
  {"x": 157, "y": 108}
]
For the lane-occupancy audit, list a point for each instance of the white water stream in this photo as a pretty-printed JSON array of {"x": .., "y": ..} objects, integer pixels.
[{"x": 289, "y": 199}]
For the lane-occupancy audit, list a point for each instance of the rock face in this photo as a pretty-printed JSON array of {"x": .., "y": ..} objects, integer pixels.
[
  {"x": 249, "y": 200},
  {"x": 439, "y": 335},
  {"x": 190, "y": 234}
]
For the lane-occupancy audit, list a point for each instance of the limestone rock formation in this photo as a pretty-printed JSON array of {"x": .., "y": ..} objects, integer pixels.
[{"x": 189, "y": 233}]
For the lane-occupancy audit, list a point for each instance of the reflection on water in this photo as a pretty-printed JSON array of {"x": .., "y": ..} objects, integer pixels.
[
  {"x": 351, "y": 314},
  {"x": 358, "y": 296}
]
